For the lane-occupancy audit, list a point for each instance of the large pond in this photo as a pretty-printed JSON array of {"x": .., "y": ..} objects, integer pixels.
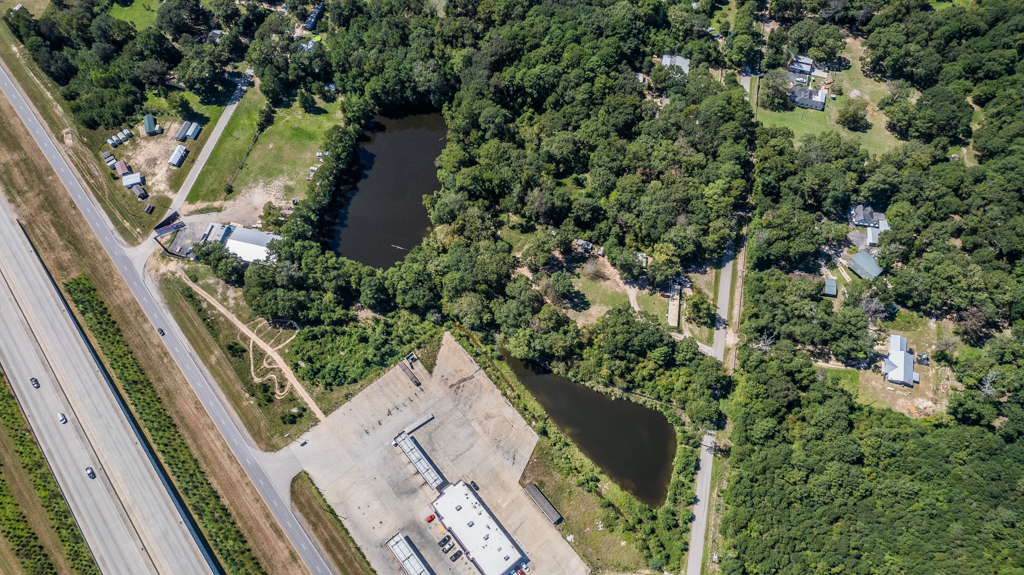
[
  {"x": 632, "y": 444},
  {"x": 385, "y": 216}
]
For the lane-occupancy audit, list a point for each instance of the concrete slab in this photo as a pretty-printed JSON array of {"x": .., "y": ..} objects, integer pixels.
[{"x": 475, "y": 435}]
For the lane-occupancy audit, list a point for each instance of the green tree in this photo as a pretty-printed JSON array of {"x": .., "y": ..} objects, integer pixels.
[
  {"x": 699, "y": 309},
  {"x": 306, "y": 101},
  {"x": 853, "y": 115},
  {"x": 774, "y": 91}
]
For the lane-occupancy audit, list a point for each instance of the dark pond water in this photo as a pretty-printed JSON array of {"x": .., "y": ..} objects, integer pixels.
[
  {"x": 632, "y": 444},
  {"x": 385, "y": 216}
]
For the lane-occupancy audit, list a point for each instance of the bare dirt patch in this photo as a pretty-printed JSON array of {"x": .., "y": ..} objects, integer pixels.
[
  {"x": 148, "y": 155},
  {"x": 244, "y": 206}
]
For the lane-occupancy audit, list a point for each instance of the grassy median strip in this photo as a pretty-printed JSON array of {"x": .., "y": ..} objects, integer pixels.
[
  {"x": 214, "y": 518},
  {"x": 328, "y": 528},
  {"x": 14, "y": 523}
]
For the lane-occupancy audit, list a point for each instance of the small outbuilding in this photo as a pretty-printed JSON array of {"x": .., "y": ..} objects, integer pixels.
[
  {"x": 193, "y": 132},
  {"x": 831, "y": 289},
  {"x": 149, "y": 125},
  {"x": 545, "y": 506},
  {"x": 149, "y": 208},
  {"x": 106, "y": 155},
  {"x": 139, "y": 192},
  {"x": 178, "y": 156},
  {"x": 183, "y": 131},
  {"x": 865, "y": 266},
  {"x": 131, "y": 180},
  {"x": 121, "y": 168}
]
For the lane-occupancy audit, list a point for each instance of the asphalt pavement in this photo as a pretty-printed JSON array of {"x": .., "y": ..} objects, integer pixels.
[
  {"x": 128, "y": 518},
  {"x": 176, "y": 344}
]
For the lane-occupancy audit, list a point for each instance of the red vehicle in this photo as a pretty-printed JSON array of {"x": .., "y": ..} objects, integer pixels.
[{"x": 429, "y": 519}]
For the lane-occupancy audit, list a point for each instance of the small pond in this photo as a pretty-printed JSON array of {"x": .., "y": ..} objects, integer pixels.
[
  {"x": 632, "y": 444},
  {"x": 385, "y": 216}
]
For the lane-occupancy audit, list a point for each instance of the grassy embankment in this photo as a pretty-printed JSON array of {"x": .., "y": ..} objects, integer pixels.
[
  {"x": 69, "y": 248},
  {"x": 595, "y": 520},
  {"x": 328, "y": 528},
  {"x": 280, "y": 160},
  {"x": 35, "y": 521},
  {"x": 213, "y": 517},
  {"x": 233, "y": 362},
  {"x": 80, "y": 146}
]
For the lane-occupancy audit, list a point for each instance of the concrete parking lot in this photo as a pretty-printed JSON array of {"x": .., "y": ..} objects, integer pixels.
[{"x": 476, "y": 435}]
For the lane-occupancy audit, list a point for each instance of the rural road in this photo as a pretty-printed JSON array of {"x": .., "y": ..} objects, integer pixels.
[
  {"x": 702, "y": 487},
  {"x": 211, "y": 143},
  {"x": 702, "y": 484},
  {"x": 177, "y": 345},
  {"x": 127, "y": 514}
]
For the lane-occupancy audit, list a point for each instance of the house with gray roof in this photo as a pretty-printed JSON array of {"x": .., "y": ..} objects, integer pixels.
[
  {"x": 861, "y": 215},
  {"x": 677, "y": 61},
  {"x": 808, "y": 98}
]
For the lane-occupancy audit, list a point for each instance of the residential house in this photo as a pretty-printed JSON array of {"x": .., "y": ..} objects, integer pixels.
[
  {"x": 899, "y": 365},
  {"x": 678, "y": 61},
  {"x": 873, "y": 233},
  {"x": 808, "y": 98},
  {"x": 861, "y": 215}
]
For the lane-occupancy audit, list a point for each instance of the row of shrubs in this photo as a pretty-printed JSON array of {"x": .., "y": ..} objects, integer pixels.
[
  {"x": 24, "y": 541},
  {"x": 214, "y": 518}
]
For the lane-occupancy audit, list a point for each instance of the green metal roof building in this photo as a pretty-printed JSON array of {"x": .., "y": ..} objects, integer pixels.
[{"x": 865, "y": 266}]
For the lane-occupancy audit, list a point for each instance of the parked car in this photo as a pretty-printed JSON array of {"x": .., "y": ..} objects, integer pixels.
[
  {"x": 525, "y": 567},
  {"x": 475, "y": 486},
  {"x": 429, "y": 519},
  {"x": 160, "y": 330},
  {"x": 35, "y": 383},
  {"x": 90, "y": 473},
  {"x": 448, "y": 547},
  {"x": 62, "y": 418},
  {"x": 455, "y": 556},
  {"x": 444, "y": 541}
]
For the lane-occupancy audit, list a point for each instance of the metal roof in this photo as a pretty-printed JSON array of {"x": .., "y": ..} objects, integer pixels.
[
  {"x": 476, "y": 529},
  {"x": 545, "y": 506},
  {"x": 865, "y": 266},
  {"x": 407, "y": 556},
  {"x": 831, "y": 289},
  {"x": 419, "y": 460}
]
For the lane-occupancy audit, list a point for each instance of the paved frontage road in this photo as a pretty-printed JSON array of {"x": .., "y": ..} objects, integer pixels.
[{"x": 178, "y": 346}]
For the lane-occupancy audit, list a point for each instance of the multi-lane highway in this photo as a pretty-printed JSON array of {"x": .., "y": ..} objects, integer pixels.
[
  {"x": 177, "y": 345},
  {"x": 127, "y": 516}
]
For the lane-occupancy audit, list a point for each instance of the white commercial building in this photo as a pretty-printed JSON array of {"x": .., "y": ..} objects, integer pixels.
[
  {"x": 477, "y": 532},
  {"x": 250, "y": 245}
]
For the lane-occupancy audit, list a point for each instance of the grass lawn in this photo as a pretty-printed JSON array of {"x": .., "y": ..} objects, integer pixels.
[
  {"x": 141, "y": 12},
  {"x": 849, "y": 377},
  {"x": 655, "y": 305},
  {"x": 281, "y": 158},
  {"x": 328, "y": 528},
  {"x": 803, "y": 121}
]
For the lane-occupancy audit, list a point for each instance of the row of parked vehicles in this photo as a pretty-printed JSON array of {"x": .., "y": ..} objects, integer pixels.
[{"x": 63, "y": 419}]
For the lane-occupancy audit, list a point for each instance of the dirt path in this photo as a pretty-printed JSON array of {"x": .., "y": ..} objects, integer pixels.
[
  {"x": 632, "y": 289},
  {"x": 270, "y": 351}
]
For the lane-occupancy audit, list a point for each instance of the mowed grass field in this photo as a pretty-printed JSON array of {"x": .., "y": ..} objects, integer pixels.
[
  {"x": 803, "y": 121},
  {"x": 280, "y": 160},
  {"x": 142, "y": 13}
]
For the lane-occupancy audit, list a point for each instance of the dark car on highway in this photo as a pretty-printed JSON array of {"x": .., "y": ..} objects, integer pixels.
[
  {"x": 160, "y": 330},
  {"x": 35, "y": 383},
  {"x": 90, "y": 473}
]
